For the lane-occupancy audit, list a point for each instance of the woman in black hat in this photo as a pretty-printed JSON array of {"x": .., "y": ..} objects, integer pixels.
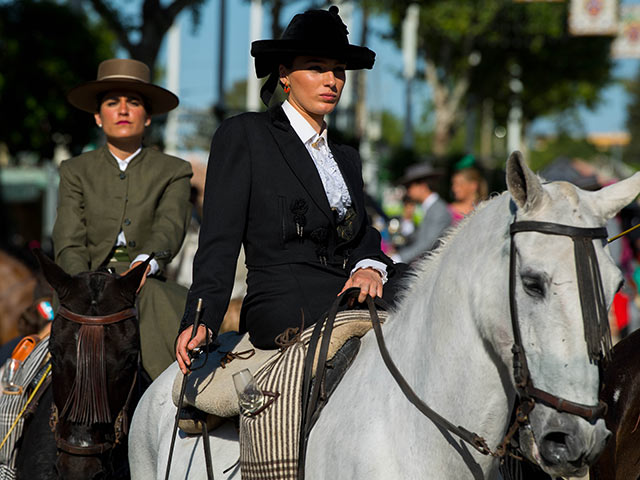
[
  {"x": 121, "y": 202},
  {"x": 293, "y": 198}
]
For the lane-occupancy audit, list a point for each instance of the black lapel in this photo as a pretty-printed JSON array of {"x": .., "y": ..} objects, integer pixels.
[{"x": 298, "y": 158}]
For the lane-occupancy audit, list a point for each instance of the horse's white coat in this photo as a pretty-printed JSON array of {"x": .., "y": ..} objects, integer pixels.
[
  {"x": 451, "y": 338},
  {"x": 150, "y": 439}
]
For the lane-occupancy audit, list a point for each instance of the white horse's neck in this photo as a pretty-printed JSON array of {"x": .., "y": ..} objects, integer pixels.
[{"x": 437, "y": 337}]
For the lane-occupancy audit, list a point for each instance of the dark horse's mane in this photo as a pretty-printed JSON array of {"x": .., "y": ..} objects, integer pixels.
[{"x": 94, "y": 371}]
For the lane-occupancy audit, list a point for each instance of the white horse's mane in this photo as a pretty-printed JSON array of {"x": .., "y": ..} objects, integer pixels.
[{"x": 424, "y": 267}]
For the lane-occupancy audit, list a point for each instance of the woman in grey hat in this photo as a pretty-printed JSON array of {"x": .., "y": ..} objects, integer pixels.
[
  {"x": 122, "y": 202},
  {"x": 278, "y": 185}
]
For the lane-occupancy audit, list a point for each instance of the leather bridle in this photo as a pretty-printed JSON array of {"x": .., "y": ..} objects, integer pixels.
[
  {"x": 594, "y": 314},
  {"x": 597, "y": 336},
  {"x": 98, "y": 320},
  {"x": 121, "y": 423}
]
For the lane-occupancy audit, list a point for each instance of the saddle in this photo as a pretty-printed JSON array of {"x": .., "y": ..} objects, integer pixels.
[{"x": 210, "y": 394}]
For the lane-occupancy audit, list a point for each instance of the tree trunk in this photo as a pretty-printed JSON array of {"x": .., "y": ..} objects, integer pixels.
[
  {"x": 276, "y": 8},
  {"x": 447, "y": 102},
  {"x": 155, "y": 22}
]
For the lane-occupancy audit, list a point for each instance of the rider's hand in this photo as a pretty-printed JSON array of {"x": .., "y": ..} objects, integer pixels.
[
  {"x": 368, "y": 280},
  {"x": 144, "y": 277},
  {"x": 183, "y": 345}
]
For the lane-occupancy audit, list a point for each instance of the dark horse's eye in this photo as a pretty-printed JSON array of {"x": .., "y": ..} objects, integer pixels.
[{"x": 534, "y": 285}]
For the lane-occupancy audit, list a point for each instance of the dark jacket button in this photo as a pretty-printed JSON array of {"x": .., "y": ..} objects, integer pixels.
[
  {"x": 132, "y": 243},
  {"x": 127, "y": 221},
  {"x": 123, "y": 175}
]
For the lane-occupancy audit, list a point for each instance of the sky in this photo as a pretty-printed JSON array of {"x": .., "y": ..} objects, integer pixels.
[
  {"x": 199, "y": 60},
  {"x": 198, "y": 81}
]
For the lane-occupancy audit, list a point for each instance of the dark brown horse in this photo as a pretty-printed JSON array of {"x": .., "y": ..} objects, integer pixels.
[
  {"x": 94, "y": 348},
  {"x": 621, "y": 390}
]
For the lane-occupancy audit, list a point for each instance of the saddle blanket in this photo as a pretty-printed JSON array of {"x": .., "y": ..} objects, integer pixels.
[{"x": 210, "y": 388}]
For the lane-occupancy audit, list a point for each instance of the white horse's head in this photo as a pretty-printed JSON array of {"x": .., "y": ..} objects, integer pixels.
[{"x": 550, "y": 314}]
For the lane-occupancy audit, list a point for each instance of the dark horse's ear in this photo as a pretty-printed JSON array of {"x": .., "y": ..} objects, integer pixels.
[
  {"x": 131, "y": 281},
  {"x": 55, "y": 275}
]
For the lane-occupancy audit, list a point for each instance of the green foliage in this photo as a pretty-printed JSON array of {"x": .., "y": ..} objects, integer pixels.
[
  {"x": 45, "y": 50},
  {"x": 392, "y": 129},
  {"x": 141, "y": 34},
  {"x": 558, "y": 71}
]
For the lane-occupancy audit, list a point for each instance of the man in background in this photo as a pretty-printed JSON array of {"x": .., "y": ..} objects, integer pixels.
[{"x": 420, "y": 182}]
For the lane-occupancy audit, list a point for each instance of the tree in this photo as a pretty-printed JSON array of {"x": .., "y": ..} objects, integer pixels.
[
  {"x": 473, "y": 49},
  {"x": 559, "y": 72},
  {"x": 153, "y": 23},
  {"x": 41, "y": 62}
]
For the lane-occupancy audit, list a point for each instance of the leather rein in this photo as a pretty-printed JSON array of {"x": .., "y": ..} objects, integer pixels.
[
  {"x": 595, "y": 319},
  {"x": 121, "y": 423}
]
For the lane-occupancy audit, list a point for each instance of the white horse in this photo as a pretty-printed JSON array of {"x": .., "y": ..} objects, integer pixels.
[{"x": 451, "y": 337}]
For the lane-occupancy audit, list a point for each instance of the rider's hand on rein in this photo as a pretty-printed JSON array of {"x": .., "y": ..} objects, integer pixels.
[{"x": 368, "y": 280}]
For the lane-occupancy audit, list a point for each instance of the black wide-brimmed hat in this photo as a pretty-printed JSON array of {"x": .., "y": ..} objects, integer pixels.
[
  {"x": 419, "y": 171},
  {"x": 122, "y": 74},
  {"x": 318, "y": 33}
]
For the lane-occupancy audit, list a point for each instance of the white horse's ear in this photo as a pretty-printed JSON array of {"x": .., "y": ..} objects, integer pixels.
[
  {"x": 523, "y": 184},
  {"x": 610, "y": 200}
]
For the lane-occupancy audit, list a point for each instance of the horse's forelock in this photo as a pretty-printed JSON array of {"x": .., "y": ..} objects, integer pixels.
[{"x": 102, "y": 298}]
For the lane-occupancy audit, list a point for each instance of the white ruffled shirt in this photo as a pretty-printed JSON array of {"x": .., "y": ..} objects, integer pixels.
[
  {"x": 121, "y": 241},
  {"x": 317, "y": 144}
]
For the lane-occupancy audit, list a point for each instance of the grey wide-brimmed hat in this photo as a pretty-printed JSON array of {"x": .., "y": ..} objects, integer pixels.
[
  {"x": 125, "y": 74},
  {"x": 419, "y": 171},
  {"x": 318, "y": 33}
]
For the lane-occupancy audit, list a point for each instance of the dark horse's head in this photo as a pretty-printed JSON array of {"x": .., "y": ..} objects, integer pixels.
[{"x": 94, "y": 348}]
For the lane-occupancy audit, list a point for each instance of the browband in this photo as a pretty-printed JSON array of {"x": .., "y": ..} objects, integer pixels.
[
  {"x": 98, "y": 320},
  {"x": 558, "y": 229}
]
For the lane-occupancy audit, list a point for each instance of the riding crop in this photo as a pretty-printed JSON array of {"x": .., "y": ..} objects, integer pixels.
[{"x": 205, "y": 433}]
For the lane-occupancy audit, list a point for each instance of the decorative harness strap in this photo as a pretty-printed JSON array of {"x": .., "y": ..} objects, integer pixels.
[{"x": 87, "y": 402}]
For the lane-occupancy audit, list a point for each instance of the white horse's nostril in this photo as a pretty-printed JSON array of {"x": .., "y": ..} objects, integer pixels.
[{"x": 555, "y": 448}]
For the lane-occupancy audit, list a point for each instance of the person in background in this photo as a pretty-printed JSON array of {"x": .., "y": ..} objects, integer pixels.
[
  {"x": 294, "y": 199},
  {"x": 420, "y": 182},
  {"x": 34, "y": 320},
  {"x": 122, "y": 202},
  {"x": 469, "y": 188}
]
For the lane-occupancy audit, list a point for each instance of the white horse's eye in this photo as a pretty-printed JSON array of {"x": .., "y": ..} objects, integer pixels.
[{"x": 533, "y": 285}]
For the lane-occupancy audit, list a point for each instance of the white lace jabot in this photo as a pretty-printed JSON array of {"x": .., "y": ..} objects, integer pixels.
[{"x": 318, "y": 147}]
